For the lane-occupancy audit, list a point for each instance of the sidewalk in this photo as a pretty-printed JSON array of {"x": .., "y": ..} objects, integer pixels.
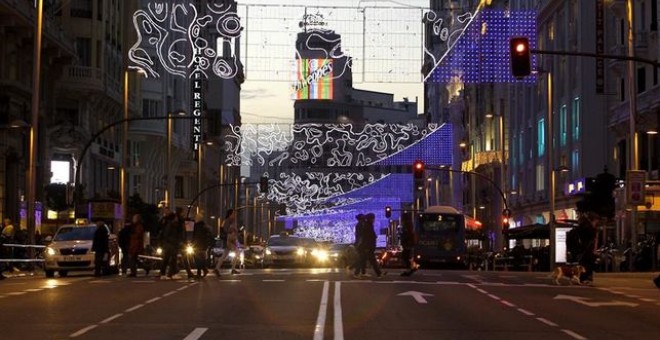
[{"x": 628, "y": 280}]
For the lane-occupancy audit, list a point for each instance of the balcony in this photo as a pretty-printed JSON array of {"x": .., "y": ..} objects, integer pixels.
[
  {"x": 648, "y": 103},
  {"x": 87, "y": 79}
]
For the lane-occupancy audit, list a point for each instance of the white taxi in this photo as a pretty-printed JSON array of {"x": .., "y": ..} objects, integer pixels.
[{"x": 71, "y": 250}]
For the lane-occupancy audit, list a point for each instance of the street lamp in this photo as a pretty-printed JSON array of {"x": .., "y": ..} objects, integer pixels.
[
  {"x": 168, "y": 160},
  {"x": 34, "y": 130},
  {"x": 200, "y": 164},
  {"x": 124, "y": 151}
]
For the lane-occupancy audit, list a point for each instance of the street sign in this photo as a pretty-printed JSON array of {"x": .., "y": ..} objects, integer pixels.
[
  {"x": 418, "y": 296},
  {"x": 635, "y": 187},
  {"x": 583, "y": 301}
]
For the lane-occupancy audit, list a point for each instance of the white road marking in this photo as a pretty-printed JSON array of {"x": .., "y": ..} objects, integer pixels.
[
  {"x": 34, "y": 290},
  {"x": 339, "y": 323},
  {"x": 507, "y": 303},
  {"x": 16, "y": 293},
  {"x": 573, "y": 334},
  {"x": 632, "y": 296},
  {"x": 494, "y": 297},
  {"x": 647, "y": 300},
  {"x": 320, "y": 321},
  {"x": 481, "y": 291},
  {"x": 112, "y": 317},
  {"x": 526, "y": 312},
  {"x": 134, "y": 308},
  {"x": 169, "y": 293},
  {"x": 272, "y": 280},
  {"x": 154, "y": 299},
  {"x": 547, "y": 322},
  {"x": 82, "y": 331},
  {"x": 196, "y": 334}
]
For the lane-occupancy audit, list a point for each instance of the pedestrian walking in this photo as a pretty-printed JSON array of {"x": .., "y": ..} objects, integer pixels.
[
  {"x": 367, "y": 248},
  {"x": 135, "y": 243},
  {"x": 123, "y": 239},
  {"x": 353, "y": 256},
  {"x": 587, "y": 230},
  {"x": 171, "y": 240},
  {"x": 229, "y": 226},
  {"x": 101, "y": 249},
  {"x": 202, "y": 240},
  {"x": 408, "y": 242}
]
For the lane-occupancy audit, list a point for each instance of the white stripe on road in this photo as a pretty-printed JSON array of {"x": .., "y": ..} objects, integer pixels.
[
  {"x": 169, "y": 293},
  {"x": 647, "y": 300},
  {"x": 196, "y": 334},
  {"x": 154, "y": 299},
  {"x": 272, "y": 280},
  {"x": 16, "y": 293},
  {"x": 320, "y": 321},
  {"x": 507, "y": 303},
  {"x": 112, "y": 318},
  {"x": 494, "y": 297},
  {"x": 34, "y": 290},
  {"x": 134, "y": 308},
  {"x": 339, "y": 323},
  {"x": 547, "y": 322},
  {"x": 526, "y": 312},
  {"x": 82, "y": 331},
  {"x": 573, "y": 334}
]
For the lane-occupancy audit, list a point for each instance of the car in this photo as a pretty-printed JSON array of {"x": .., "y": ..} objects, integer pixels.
[
  {"x": 285, "y": 250},
  {"x": 342, "y": 254},
  {"x": 218, "y": 249},
  {"x": 71, "y": 250}
]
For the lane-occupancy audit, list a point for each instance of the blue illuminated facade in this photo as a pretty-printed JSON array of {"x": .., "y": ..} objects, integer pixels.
[{"x": 481, "y": 55}]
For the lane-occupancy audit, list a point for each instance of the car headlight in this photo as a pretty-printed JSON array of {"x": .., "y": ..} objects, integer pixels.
[
  {"x": 50, "y": 251},
  {"x": 190, "y": 250},
  {"x": 300, "y": 251},
  {"x": 322, "y": 255},
  {"x": 159, "y": 251},
  {"x": 232, "y": 254},
  {"x": 268, "y": 252},
  {"x": 257, "y": 257}
]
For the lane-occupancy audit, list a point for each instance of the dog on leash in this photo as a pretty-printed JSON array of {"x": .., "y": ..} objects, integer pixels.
[{"x": 572, "y": 273}]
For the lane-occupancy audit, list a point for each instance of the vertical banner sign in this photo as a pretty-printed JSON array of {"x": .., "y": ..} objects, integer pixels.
[
  {"x": 600, "y": 47},
  {"x": 197, "y": 103},
  {"x": 635, "y": 187}
]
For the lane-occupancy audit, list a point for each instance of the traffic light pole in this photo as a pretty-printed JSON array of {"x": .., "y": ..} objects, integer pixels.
[{"x": 497, "y": 187}]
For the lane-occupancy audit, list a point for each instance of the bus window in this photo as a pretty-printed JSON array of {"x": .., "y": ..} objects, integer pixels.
[{"x": 440, "y": 223}]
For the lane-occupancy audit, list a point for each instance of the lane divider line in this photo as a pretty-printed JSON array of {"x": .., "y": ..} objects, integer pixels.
[
  {"x": 169, "y": 293},
  {"x": 196, "y": 334},
  {"x": 526, "y": 312},
  {"x": 272, "y": 280},
  {"x": 507, "y": 303},
  {"x": 154, "y": 299},
  {"x": 134, "y": 308},
  {"x": 112, "y": 317},
  {"x": 320, "y": 320},
  {"x": 494, "y": 297},
  {"x": 573, "y": 334},
  {"x": 547, "y": 322},
  {"x": 339, "y": 323},
  {"x": 82, "y": 331}
]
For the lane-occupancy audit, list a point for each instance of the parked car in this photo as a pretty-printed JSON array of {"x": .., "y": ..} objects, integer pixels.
[{"x": 71, "y": 250}]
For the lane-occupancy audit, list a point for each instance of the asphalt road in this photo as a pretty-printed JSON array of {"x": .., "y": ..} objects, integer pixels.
[{"x": 327, "y": 304}]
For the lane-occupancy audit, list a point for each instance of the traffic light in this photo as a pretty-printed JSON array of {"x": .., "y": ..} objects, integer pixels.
[
  {"x": 418, "y": 175},
  {"x": 521, "y": 65},
  {"x": 603, "y": 194},
  {"x": 263, "y": 184},
  {"x": 506, "y": 215},
  {"x": 388, "y": 211}
]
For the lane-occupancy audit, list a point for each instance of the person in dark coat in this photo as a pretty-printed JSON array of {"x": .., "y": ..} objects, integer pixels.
[
  {"x": 135, "y": 243},
  {"x": 202, "y": 240},
  {"x": 588, "y": 231},
  {"x": 353, "y": 254},
  {"x": 101, "y": 249},
  {"x": 367, "y": 248},
  {"x": 171, "y": 241},
  {"x": 408, "y": 241},
  {"x": 123, "y": 239}
]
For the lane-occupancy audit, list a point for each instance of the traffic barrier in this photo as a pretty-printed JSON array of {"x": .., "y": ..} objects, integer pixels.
[{"x": 15, "y": 245}]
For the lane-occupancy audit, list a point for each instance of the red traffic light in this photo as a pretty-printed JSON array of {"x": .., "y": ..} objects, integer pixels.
[
  {"x": 521, "y": 65},
  {"x": 388, "y": 211},
  {"x": 418, "y": 169}
]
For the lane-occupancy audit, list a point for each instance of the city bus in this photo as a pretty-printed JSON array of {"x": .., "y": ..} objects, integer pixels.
[{"x": 442, "y": 235}]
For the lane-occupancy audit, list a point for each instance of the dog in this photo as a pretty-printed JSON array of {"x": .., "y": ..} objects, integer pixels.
[{"x": 570, "y": 272}]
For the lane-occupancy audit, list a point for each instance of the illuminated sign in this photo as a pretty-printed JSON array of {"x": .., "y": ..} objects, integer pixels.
[
  {"x": 313, "y": 79},
  {"x": 197, "y": 104}
]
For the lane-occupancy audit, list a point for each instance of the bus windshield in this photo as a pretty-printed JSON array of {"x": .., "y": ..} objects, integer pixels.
[{"x": 440, "y": 223}]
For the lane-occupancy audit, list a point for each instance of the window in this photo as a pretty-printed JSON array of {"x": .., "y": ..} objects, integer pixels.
[
  {"x": 540, "y": 178},
  {"x": 575, "y": 119},
  {"x": 134, "y": 153},
  {"x": 150, "y": 108},
  {"x": 84, "y": 51},
  {"x": 575, "y": 163},
  {"x": 178, "y": 187},
  {"x": 81, "y": 8},
  {"x": 541, "y": 137},
  {"x": 641, "y": 79},
  {"x": 563, "y": 126},
  {"x": 521, "y": 153},
  {"x": 137, "y": 181},
  {"x": 514, "y": 146}
]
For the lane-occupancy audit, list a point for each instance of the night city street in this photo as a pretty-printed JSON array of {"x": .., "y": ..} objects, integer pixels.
[{"x": 326, "y": 303}]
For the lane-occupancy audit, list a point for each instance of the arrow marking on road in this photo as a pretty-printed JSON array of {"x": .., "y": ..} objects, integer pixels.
[
  {"x": 583, "y": 300},
  {"x": 418, "y": 296}
]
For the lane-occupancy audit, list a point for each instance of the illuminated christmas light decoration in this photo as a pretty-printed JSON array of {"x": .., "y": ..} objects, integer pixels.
[
  {"x": 177, "y": 34},
  {"x": 481, "y": 53}
]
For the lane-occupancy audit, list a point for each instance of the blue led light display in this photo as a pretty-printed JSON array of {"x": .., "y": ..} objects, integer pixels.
[{"x": 482, "y": 53}]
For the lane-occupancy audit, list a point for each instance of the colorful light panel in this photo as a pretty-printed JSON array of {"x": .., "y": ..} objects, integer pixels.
[{"x": 313, "y": 79}]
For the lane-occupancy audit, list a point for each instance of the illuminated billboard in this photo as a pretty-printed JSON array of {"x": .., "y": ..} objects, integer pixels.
[{"x": 313, "y": 79}]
